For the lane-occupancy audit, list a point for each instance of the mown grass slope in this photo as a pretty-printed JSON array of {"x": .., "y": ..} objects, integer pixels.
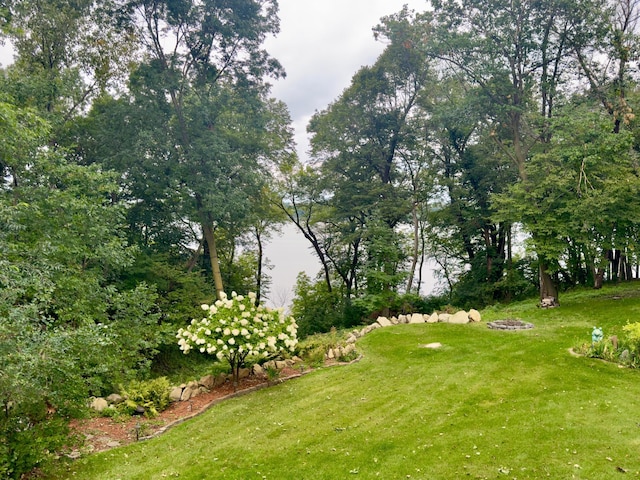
[{"x": 488, "y": 404}]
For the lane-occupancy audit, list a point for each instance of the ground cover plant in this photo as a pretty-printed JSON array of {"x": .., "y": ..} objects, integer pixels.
[{"x": 487, "y": 404}]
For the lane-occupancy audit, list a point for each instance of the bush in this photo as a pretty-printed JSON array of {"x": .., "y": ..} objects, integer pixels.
[
  {"x": 236, "y": 329},
  {"x": 152, "y": 395}
]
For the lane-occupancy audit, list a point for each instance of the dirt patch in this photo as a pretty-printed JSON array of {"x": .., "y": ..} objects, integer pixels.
[{"x": 103, "y": 433}]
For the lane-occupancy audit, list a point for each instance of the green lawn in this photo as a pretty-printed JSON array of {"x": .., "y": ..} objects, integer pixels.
[{"x": 488, "y": 404}]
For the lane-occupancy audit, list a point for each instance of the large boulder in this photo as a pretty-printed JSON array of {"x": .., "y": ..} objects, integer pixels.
[
  {"x": 99, "y": 404},
  {"x": 175, "y": 394},
  {"x": 433, "y": 318},
  {"x": 474, "y": 315},
  {"x": 384, "y": 322},
  {"x": 207, "y": 381},
  {"x": 460, "y": 317},
  {"x": 417, "y": 318},
  {"x": 444, "y": 317}
]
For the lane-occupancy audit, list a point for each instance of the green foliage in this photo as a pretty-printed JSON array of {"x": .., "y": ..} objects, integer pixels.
[
  {"x": 317, "y": 310},
  {"x": 152, "y": 395}
]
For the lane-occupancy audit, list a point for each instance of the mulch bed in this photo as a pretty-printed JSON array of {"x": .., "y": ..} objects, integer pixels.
[{"x": 103, "y": 433}]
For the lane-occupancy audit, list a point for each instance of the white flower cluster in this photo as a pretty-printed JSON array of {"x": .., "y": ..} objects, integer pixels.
[{"x": 235, "y": 327}]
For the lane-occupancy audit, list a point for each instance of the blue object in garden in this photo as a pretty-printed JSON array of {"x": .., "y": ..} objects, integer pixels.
[{"x": 596, "y": 335}]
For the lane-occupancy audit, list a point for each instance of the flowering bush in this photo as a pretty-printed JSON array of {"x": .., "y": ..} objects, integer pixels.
[{"x": 236, "y": 329}]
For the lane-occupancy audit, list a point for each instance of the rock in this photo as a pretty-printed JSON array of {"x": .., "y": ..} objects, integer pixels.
[
  {"x": 187, "y": 393},
  {"x": 432, "y": 345},
  {"x": 351, "y": 339},
  {"x": 221, "y": 378},
  {"x": 289, "y": 362},
  {"x": 296, "y": 359},
  {"x": 443, "y": 317},
  {"x": 280, "y": 364},
  {"x": 330, "y": 354},
  {"x": 99, "y": 404},
  {"x": 474, "y": 315},
  {"x": 403, "y": 319},
  {"x": 460, "y": 317},
  {"x": 193, "y": 385},
  {"x": 417, "y": 318},
  {"x": 207, "y": 381},
  {"x": 113, "y": 444},
  {"x": 625, "y": 356},
  {"x": 433, "y": 318},
  {"x": 394, "y": 320},
  {"x": 258, "y": 370},
  {"x": 175, "y": 394},
  {"x": 384, "y": 322},
  {"x": 349, "y": 348},
  {"x": 548, "y": 302},
  {"x": 115, "y": 399}
]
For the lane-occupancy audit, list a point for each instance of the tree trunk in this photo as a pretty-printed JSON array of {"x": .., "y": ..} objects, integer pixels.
[
  {"x": 210, "y": 237},
  {"x": 259, "y": 272},
  {"x": 548, "y": 288},
  {"x": 416, "y": 246}
]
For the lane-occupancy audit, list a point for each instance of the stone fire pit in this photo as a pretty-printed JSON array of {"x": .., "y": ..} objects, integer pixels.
[{"x": 509, "y": 324}]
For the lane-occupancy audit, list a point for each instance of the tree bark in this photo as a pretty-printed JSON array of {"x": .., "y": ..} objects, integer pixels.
[
  {"x": 210, "y": 237},
  {"x": 548, "y": 288}
]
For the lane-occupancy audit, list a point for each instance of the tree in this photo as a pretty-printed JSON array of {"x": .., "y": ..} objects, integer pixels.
[
  {"x": 238, "y": 329},
  {"x": 206, "y": 59},
  {"x": 516, "y": 54},
  {"x": 65, "y": 331}
]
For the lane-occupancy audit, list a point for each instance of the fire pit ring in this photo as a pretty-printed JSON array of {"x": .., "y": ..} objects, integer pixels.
[{"x": 510, "y": 324}]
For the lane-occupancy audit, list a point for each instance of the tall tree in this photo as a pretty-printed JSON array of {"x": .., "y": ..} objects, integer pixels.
[{"x": 206, "y": 58}]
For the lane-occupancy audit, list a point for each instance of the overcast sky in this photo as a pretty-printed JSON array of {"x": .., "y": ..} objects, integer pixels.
[{"x": 321, "y": 45}]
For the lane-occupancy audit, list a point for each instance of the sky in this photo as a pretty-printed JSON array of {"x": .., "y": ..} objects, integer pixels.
[{"x": 321, "y": 45}]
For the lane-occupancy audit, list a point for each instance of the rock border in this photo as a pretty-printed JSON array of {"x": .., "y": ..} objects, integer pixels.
[{"x": 500, "y": 325}]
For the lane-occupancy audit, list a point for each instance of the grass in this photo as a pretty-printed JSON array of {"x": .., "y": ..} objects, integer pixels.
[{"x": 487, "y": 405}]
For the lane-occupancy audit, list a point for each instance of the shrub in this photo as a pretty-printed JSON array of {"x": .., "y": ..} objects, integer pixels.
[
  {"x": 152, "y": 395},
  {"x": 236, "y": 329}
]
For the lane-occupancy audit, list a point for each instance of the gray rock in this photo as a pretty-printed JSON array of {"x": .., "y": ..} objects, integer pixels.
[
  {"x": 258, "y": 370},
  {"x": 625, "y": 356},
  {"x": 280, "y": 364},
  {"x": 175, "y": 394},
  {"x": 403, "y": 319},
  {"x": 330, "y": 354},
  {"x": 99, "y": 404},
  {"x": 460, "y": 317},
  {"x": 432, "y": 345},
  {"x": 433, "y": 318},
  {"x": 417, "y": 318},
  {"x": 444, "y": 317},
  {"x": 394, "y": 320},
  {"x": 351, "y": 339},
  {"x": 474, "y": 315}
]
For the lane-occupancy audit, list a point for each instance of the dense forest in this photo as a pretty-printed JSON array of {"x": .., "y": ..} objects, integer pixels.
[{"x": 145, "y": 163}]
